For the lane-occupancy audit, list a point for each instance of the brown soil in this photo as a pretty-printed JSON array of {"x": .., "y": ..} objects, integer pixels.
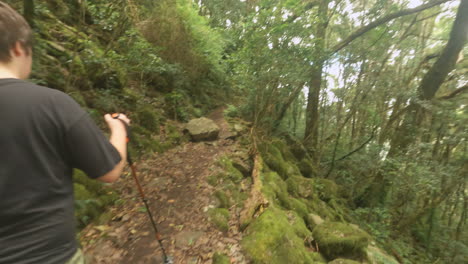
[{"x": 176, "y": 188}]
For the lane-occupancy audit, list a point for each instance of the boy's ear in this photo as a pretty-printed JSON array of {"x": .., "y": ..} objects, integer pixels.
[{"x": 17, "y": 50}]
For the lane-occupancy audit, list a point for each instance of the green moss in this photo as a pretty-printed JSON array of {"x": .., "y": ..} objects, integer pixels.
[
  {"x": 323, "y": 210},
  {"x": 78, "y": 97},
  {"x": 378, "y": 256},
  {"x": 273, "y": 186},
  {"x": 306, "y": 168},
  {"x": 296, "y": 205},
  {"x": 284, "y": 149},
  {"x": 283, "y": 168},
  {"x": 223, "y": 199},
  {"x": 327, "y": 189},
  {"x": 212, "y": 180},
  {"x": 91, "y": 198},
  {"x": 317, "y": 258},
  {"x": 300, "y": 187},
  {"x": 149, "y": 119},
  {"x": 81, "y": 193},
  {"x": 174, "y": 136},
  {"x": 219, "y": 217},
  {"x": 343, "y": 261},
  {"x": 89, "y": 184},
  {"x": 219, "y": 258},
  {"x": 131, "y": 98},
  {"x": 284, "y": 165},
  {"x": 239, "y": 197},
  {"x": 277, "y": 237},
  {"x": 104, "y": 218},
  {"x": 144, "y": 141},
  {"x": 230, "y": 171},
  {"x": 337, "y": 239}
]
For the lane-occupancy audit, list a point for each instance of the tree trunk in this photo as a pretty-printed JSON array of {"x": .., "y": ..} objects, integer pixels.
[
  {"x": 447, "y": 60},
  {"x": 431, "y": 82},
  {"x": 312, "y": 114},
  {"x": 28, "y": 12}
]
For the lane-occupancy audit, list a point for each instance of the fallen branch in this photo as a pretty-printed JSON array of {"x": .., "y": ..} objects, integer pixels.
[{"x": 256, "y": 200}]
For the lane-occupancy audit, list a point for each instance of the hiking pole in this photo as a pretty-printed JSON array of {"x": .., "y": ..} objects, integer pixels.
[{"x": 167, "y": 260}]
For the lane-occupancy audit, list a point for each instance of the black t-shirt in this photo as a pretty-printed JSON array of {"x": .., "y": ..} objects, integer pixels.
[{"x": 43, "y": 135}]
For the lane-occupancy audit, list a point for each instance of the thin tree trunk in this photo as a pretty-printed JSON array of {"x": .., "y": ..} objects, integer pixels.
[
  {"x": 312, "y": 115},
  {"x": 28, "y": 12}
]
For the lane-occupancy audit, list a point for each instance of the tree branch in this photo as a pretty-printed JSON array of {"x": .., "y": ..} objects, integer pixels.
[
  {"x": 360, "y": 147},
  {"x": 454, "y": 93},
  {"x": 381, "y": 21}
]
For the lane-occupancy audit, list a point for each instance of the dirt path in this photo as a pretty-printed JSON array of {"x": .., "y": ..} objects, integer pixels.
[{"x": 177, "y": 191}]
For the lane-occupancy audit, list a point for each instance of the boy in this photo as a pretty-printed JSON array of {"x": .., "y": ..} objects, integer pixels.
[{"x": 44, "y": 134}]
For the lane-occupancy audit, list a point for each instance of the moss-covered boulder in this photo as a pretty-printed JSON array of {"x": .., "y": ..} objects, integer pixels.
[
  {"x": 230, "y": 172},
  {"x": 297, "y": 205},
  {"x": 378, "y": 256},
  {"x": 326, "y": 189},
  {"x": 273, "y": 157},
  {"x": 273, "y": 186},
  {"x": 300, "y": 186},
  {"x": 202, "y": 129},
  {"x": 307, "y": 169},
  {"x": 313, "y": 220},
  {"x": 277, "y": 237},
  {"x": 337, "y": 239},
  {"x": 284, "y": 149},
  {"x": 343, "y": 261},
  {"x": 91, "y": 198},
  {"x": 219, "y": 217}
]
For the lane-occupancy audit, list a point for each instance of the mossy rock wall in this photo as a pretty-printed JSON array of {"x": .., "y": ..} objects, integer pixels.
[
  {"x": 91, "y": 198},
  {"x": 299, "y": 195},
  {"x": 229, "y": 183}
]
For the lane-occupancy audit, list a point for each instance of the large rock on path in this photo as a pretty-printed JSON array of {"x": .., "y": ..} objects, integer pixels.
[{"x": 201, "y": 129}]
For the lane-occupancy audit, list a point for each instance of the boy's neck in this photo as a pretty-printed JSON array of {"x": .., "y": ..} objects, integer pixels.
[{"x": 6, "y": 73}]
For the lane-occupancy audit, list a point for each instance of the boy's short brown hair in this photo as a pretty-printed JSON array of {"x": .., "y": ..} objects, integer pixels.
[{"x": 13, "y": 28}]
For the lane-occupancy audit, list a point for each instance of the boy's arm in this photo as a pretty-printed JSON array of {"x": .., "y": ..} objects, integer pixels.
[{"x": 118, "y": 140}]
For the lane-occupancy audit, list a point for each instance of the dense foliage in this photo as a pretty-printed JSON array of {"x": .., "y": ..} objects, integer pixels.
[{"x": 377, "y": 92}]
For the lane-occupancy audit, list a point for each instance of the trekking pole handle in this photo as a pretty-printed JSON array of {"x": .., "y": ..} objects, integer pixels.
[
  {"x": 127, "y": 126},
  {"x": 129, "y": 134}
]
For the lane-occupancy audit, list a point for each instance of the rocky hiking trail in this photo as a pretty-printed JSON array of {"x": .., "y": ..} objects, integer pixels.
[{"x": 176, "y": 187}]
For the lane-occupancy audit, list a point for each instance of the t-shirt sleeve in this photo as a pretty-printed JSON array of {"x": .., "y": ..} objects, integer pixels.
[
  {"x": 87, "y": 147},
  {"x": 89, "y": 150}
]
